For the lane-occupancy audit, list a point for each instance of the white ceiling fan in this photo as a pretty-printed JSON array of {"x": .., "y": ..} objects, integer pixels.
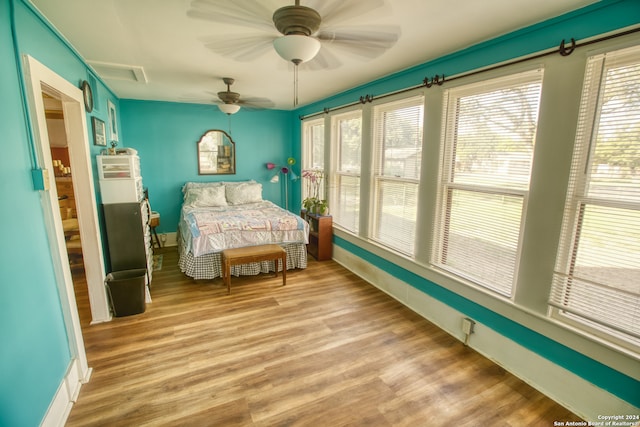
[
  {"x": 322, "y": 26},
  {"x": 299, "y": 34}
]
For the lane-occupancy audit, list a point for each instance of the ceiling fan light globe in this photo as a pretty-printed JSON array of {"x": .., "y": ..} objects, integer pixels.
[
  {"x": 229, "y": 108},
  {"x": 296, "y": 48}
]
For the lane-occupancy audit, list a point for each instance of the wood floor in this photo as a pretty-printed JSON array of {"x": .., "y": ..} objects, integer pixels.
[{"x": 325, "y": 350}]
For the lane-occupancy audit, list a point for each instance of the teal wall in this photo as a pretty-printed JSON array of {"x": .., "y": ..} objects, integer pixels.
[
  {"x": 34, "y": 354},
  {"x": 601, "y": 17},
  {"x": 165, "y": 135}
]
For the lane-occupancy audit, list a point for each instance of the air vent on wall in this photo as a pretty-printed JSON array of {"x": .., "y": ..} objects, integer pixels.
[{"x": 112, "y": 71}]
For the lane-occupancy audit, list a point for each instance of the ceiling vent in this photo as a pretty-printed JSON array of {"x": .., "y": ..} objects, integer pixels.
[{"x": 112, "y": 71}]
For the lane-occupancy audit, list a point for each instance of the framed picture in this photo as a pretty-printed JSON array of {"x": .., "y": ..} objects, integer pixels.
[
  {"x": 99, "y": 131},
  {"x": 113, "y": 121}
]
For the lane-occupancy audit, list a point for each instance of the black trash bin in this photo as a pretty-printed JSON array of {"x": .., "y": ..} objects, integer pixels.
[{"x": 126, "y": 291}]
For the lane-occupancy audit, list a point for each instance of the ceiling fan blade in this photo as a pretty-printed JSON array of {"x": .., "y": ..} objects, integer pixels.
[
  {"x": 248, "y": 13},
  {"x": 324, "y": 60},
  {"x": 195, "y": 99},
  {"x": 241, "y": 49},
  {"x": 366, "y": 42},
  {"x": 251, "y": 103},
  {"x": 256, "y": 103},
  {"x": 340, "y": 10}
]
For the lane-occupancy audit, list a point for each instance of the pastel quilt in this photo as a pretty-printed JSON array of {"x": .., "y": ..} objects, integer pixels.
[{"x": 213, "y": 229}]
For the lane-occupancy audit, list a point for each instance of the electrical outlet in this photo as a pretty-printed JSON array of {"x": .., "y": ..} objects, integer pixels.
[{"x": 467, "y": 326}]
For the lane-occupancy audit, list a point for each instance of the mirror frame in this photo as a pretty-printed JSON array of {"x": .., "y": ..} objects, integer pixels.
[{"x": 229, "y": 159}]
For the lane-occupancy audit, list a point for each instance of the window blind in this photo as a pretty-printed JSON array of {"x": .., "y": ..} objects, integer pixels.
[
  {"x": 596, "y": 283},
  {"x": 345, "y": 203},
  {"x": 313, "y": 155},
  {"x": 397, "y": 153},
  {"x": 314, "y": 141},
  {"x": 489, "y": 138}
]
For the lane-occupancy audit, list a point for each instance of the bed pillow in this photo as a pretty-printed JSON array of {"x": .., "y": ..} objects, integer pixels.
[
  {"x": 211, "y": 196},
  {"x": 246, "y": 192},
  {"x": 193, "y": 185},
  {"x": 190, "y": 185}
]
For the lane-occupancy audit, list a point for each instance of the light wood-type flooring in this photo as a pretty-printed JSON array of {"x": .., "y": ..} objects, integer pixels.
[{"x": 327, "y": 349}]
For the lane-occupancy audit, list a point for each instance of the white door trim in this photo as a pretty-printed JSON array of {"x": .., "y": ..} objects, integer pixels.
[{"x": 39, "y": 78}]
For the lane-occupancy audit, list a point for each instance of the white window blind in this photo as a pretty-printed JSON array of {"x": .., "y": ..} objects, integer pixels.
[
  {"x": 314, "y": 144},
  {"x": 397, "y": 153},
  {"x": 313, "y": 153},
  {"x": 345, "y": 203},
  {"x": 597, "y": 279},
  {"x": 487, "y": 155}
]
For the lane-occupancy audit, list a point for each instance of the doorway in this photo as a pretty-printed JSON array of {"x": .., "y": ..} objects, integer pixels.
[
  {"x": 62, "y": 176},
  {"x": 40, "y": 80}
]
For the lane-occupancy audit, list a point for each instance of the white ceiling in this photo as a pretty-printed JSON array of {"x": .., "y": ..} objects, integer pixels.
[{"x": 156, "y": 40}]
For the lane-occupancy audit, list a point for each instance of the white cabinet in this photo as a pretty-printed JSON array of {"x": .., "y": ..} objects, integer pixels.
[
  {"x": 120, "y": 166},
  {"x": 120, "y": 179}
]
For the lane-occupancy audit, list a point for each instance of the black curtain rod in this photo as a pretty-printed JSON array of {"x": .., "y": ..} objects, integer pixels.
[{"x": 563, "y": 50}]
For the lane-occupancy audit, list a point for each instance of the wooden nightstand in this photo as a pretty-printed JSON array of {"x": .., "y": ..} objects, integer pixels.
[{"x": 320, "y": 235}]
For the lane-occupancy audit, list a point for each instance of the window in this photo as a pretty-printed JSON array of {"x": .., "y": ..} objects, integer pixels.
[
  {"x": 488, "y": 151},
  {"x": 313, "y": 151},
  {"x": 597, "y": 277},
  {"x": 347, "y": 137},
  {"x": 398, "y": 150}
]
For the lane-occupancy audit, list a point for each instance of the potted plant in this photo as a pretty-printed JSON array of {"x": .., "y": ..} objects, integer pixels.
[{"x": 314, "y": 204}]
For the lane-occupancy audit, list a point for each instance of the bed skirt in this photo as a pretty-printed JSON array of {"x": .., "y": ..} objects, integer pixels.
[{"x": 210, "y": 266}]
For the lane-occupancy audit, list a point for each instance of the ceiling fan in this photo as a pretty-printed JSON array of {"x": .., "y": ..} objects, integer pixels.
[
  {"x": 299, "y": 34},
  {"x": 230, "y": 102}
]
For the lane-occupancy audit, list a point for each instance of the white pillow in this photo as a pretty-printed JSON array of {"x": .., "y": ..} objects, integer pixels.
[
  {"x": 246, "y": 192},
  {"x": 193, "y": 185},
  {"x": 206, "y": 196},
  {"x": 189, "y": 185}
]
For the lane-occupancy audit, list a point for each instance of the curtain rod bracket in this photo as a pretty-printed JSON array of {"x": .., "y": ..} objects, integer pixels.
[
  {"x": 366, "y": 98},
  {"x": 434, "y": 80},
  {"x": 564, "y": 51}
]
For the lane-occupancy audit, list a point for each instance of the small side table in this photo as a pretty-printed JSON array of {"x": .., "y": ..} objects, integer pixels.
[
  {"x": 154, "y": 221},
  {"x": 320, "y": 235}
]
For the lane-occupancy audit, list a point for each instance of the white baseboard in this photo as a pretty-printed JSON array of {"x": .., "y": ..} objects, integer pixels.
[
  {"x": 169, "y": 239},
  {"x": 568, "y": 389},
  {"x": 65, "y": 397}
]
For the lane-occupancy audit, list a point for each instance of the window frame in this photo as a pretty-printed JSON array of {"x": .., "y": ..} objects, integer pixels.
[
  {"x": 578, "y": 201},
  {"x": 447, "y": 186},
  {"x": 338, "y": 175},
  {"x": 308, "y": 149},
  {"x": 378, "y": 177}
]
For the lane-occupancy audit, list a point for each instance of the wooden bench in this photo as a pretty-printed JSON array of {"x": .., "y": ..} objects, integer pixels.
[{"x": 250, "y": 254}]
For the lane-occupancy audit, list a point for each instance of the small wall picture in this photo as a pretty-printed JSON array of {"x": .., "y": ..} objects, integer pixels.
[
  {"x": 99, "y": 131},
  {"x": 113, "y": 121}
]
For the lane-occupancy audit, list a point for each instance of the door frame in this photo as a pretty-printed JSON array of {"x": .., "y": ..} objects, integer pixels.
[{"x": 39, "y": 79}]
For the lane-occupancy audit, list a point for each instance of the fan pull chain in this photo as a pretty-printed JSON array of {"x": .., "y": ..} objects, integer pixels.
[
  {"x": 229, "y": 117},
  {"x": 295, "y": 85}
]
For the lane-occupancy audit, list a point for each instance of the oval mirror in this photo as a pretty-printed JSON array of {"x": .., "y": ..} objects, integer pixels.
[{"x": 216, "y": 153}]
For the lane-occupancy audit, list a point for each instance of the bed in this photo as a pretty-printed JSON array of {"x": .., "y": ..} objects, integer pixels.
[{"x": 225, "y": 215}]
